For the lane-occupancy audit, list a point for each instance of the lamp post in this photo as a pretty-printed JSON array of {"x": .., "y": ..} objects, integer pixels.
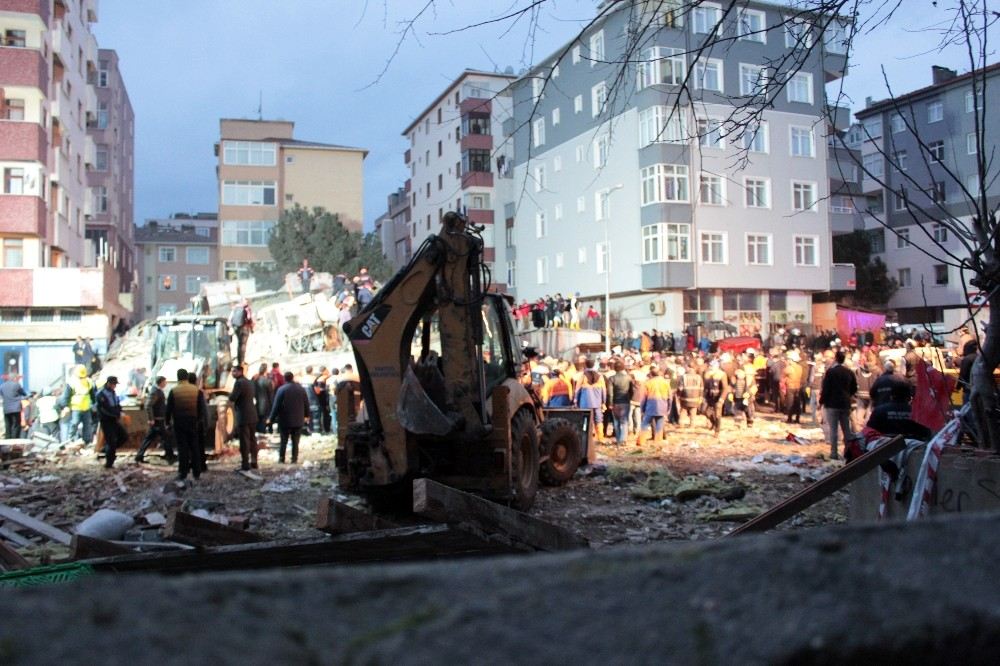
[{"x": 607, "y": 272}]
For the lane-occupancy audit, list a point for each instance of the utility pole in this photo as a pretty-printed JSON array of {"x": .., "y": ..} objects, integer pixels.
[{"x": 607, "y": 272}]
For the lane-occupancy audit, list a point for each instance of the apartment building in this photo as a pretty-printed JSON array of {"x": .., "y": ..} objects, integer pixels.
[
  {"x": 264, "y": 170},
  {"x": 55, "y": 283},
  {"x": 920, "y": 163},
  {"x": 393, "y": 229},
  {"x": 175, "y": 256},
  {"x": 650, "y": 196},
  {"x": 460, "y": 159}
]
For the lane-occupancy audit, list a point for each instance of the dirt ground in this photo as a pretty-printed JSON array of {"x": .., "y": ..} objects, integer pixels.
[{"x": 691, "y": 486}]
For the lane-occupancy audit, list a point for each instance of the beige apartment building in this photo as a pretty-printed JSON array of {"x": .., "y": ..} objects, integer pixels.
[
  {"x": 262, "y": 171},
  {"x": 175, "y": 256}
]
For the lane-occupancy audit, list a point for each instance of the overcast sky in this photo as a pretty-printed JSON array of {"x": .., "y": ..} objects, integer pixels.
[{"x": 188, "y": 63}]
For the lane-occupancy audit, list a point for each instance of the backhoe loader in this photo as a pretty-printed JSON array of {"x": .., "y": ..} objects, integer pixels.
[{"x": 439, "y": 391}]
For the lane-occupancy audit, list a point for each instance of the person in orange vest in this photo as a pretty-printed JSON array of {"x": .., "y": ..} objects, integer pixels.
[
  {"x": 557, "y": 391},
  {"x": 655, "y": 404}
]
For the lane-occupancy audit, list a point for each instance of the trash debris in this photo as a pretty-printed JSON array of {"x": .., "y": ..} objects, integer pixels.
[{"x": 106, "y": 524}]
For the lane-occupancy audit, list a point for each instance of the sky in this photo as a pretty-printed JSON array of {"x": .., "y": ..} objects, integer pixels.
[{"x": 331, "y": 66}]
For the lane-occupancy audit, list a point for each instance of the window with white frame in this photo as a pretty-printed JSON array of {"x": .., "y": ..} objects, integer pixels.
[
  {"x": 557, "y": 213},
  {"x": 804, "y": 196},
  {"x": 581, "y": 152},
  {"x": 936, "y": 150},
  {"x": 542, "y": 270},
  {"x": 759, "y": 249},
  {"x": 101, "y": 199},
  {"x": 972, "y": 100},
  {"x": 802, "y": 144},
  {"x": 900, "y": 200},
  {"x": 581, "y": 204},
  {"x": 581, "y": 255},
  {"x": 602, "y": 205},
  {"x": 664, "y": 183},
  {"x": 708, "y": 74},
  {"x": 873, "y": 165},
  {"x": 168, "y": 254},
  {"x": 798, "y": 33},
  {"x": 711, "y": 189},
  {"x": 939, "y": 232},
  {"x": 248, "y": 193},
  {"x": 541, "y": 225},
  {"x": 602, "y": 145},
  {"x": 972, "y": 184},
  {"x": 247, "y": 233},
  {"x": 101, "y": 158},
  {"x": 557, "y": 163},
  {"x": 651, "y": 244},
  {"x": 800, "y": 88},
  {"x": 758, "y": 192},
  {"x": 597, "y": 48},
  {"x": 538, "y": 132},
  {"x": 835, "y": 37},
  {"x": 555, "y": 116},
  {"x": 537, "y": 86},
  {"x": 753, "y": 80},
  {"x": 935, "y": 111},
  {"x": 511, "y": 274},
  {"x": 754, "y": 138},
  {"x": 901, "y": 159},
  {"x": 897, "y": 123},
  {"x": 904, "y": 278},
  {"x": 872, "y": 127},
  {"x": 676, "y": 242},
  {"x": 970, "y": 143},
  {"x": 940, "y": 274},
  {"x": 197, "y": 255},
  {"x": 576, "y": 54},
  {"x": 710, "y": 133},
  {"x": 598, "y": 98},
  {"x": 662, "y": 65},
  {"x": 662, "y": 124},
  {"x": 705, "y": 18},
  {"x": 539, "y": 178},
  {"x": 665, "y": 13},
  {"x": 578, "y": 104},
  {"x": 559, "y": 259},
  {"x": 192, "y": 283},
  {"x": 249, "y": 153},
  {"x": 751, "y": 25},
  {"x": 902, "y": 238},
  {"x": 601, "y": 255},
  {"x": 713, "y": 247},
  {"x": 806, "y": 250}
]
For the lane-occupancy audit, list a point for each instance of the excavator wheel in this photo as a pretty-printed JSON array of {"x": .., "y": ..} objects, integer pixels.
[
  {"x": 562, "y": 452},
  {"x": 524, "y": 460}
]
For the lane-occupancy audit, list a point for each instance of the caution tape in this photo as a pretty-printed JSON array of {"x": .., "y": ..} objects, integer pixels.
[{"x": 923, "y": 489}]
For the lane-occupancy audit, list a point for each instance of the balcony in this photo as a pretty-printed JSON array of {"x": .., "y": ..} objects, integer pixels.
[
  {"x": 22, "y": 214},
  {"x": 842, "y": 277},
  {"x": 407, "y": 185},
  {"x": 841, "y": 116},
  {"x": 834, "y": 66},
  {"x": 480, "y": 216},
  {"x": 89, "y": 151},
  {"x": 477, "y": 179},
  {"x": 38, "y": 7},
  {"x": 23, "y": 141},
  {"x": 23, "y": 67},
  {"x": 406, "y": 156},
  {"x": 841, "y": 223},
  {"x": 475, "y": 105},
  {"x": 478, "y": 141},
  {"x": 60, "y": 288}
]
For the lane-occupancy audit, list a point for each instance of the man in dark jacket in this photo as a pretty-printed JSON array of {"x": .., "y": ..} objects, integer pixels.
[
  {"x": 322, "y": 393},
  {"x": 969, "y": 353},
  {"x": 156, "y": 412},
  {"x": 290, "y": 410},
  {"x": 839, "y": 387},
  {"x": 184, "y": 412},
  {"x": 890, "y": 387},
  {"x": 264, "y": 394},
  {"x": 109, "y": 413},
  {"x": 11, "y": 391},
  {"x": 246, "y": 418}
]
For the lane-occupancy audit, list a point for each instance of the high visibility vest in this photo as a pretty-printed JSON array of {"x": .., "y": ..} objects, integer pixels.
[{"x": 80, "y": 400}]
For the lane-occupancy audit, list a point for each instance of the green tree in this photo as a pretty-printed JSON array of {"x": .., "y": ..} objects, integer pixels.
[
  {"x": 319, "y": 236},
  {"x": 874, "y": 286}
]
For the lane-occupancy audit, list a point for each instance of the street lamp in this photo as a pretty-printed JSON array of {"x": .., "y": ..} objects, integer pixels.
[{"x": 607, "y": 271}]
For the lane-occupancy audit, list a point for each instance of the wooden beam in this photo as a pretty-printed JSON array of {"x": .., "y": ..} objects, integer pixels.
[
  {"x": 15, "y": 538},
  {"x": 10, "y": 559},
  {"x": 335, "y": 517},
  {"x": 823, "y": 488},
  {"x": 447, "y": 505},
  {"x": 35, "y": 525},
  {"x": 85, "y": 548},
  {"x": 192, "y": 530}
]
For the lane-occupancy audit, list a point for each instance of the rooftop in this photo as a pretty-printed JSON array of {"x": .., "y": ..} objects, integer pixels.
[
  {"x": 889, "y": 103},
  {"x": 465, "y": 74}
]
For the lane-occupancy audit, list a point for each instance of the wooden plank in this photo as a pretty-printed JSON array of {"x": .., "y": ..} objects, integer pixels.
[
  {"x": 86, "y": 548},
  {"x": 10, "y": 559},
  {"x": 823, "y": 488},
  {"x": 447, "y": 505},
  {"x": 335, "y": 517},
  {"x": 15, "y": 538},
  {"x": 35, "y": 525},
  {"x": 192, "y": 530}
]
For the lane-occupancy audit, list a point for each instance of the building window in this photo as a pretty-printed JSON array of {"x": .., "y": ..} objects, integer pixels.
[
  {"x": 557, "y": 163},
  {"x": 940, "y": 232},
  {"x": 168, "y": 254},
  {"x": 541, "y": 225},
  {"x": 558, "y": 212},
  {"x": 576, "y": 54},
  {"x": 935, "y": 111},
  {"x": 539, "y": 178},
  {"x": 555, "y": 116},
  {"x": 664, "y": 183},
  {"x": 711, "y": 190},
  {"x": 940, "y": 274},
  {"x": 476, "y": 159},
  {"x": 662, "y": 124},
  {"x": 713, "y": 247},
  {"x": 511, "y": 274},
  {"x": 876, "y": 241},
  {"x": 800, "y": 88},
  {"x": 560, "y": 259},
  {"x": 835, "y": 37},
  {"x": 802, "y": 142},
  {"x": 872, "y": 165},
  {"x": 100, "y": 199},
  {"x": 602, "y": 145},
  {"x": 581, "y": 204},
  {"x": 797, "y": 33},
  {"x": 602, "y": 205},
  {"x": 904, "y": 277},
  {"x": 597, "y": 48},
  {"x": 601, "y": 255},
  {"x": 538, "y": 132},
  {"x": 804, "y": 196},
  {"x": 248, "y": 193},
  {"x": 841, "y": 204},
  {"x": 754, "y": 80},
  {"x": 598, "y": 98},
  {"x": 758, "y": 192},
  {"x": 939, "y": 192},
  {"x": 705, "y": 18},
  {"x": 15, "y": 38},
  {"x": 12, "y": 109},
  {"x": 13, "y": 180},
  {"x": 247, "y": 233},
  {"x": 581, "y": 255},
  {"x": 197, "y": 256},
  {"x": 759, "y": 249},
  {"x": 973, "y": 101},
  {"x": 751, "y": 26},
  {"x": 542, "y": 270},
  {"x": 936, "y": 150},
  {"x": 662, "y": 65},
  {"x": 666, "y": 242},
  {"x": 167, "y": 283},
  {"x": 902, "y": 238},
  {"x": 970, "y": 143},
  {"x": 806, "y": 251},
  {"x": 896, "y": 123},
  {"x": 754, "y": 138},
  {"x": 651, "y": 244},
  {"x": 710, "y": 133},
  {"x": 900, "y": 157},
  {"x": 192, "y": 283},
  {"x": 578, "y": 104},
  {"x": 478, "y": 200},
  {"x": 13, "y": 253},
  {"x": 708, "y": 75},
  {"x": 249, "y": 153},
  {"x": 101, "y": 158}
]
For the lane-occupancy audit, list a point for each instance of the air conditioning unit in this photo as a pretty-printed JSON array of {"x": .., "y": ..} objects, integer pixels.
[{"x": 657, "y": 307}]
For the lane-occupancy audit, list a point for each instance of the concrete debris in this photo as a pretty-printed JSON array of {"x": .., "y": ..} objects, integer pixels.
[
  {"x": 736, "y": 513},
  {"x": 106, "y": 524}
]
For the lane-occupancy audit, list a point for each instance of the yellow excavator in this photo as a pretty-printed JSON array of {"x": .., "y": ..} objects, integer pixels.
[{"x": 439, "y": 391}]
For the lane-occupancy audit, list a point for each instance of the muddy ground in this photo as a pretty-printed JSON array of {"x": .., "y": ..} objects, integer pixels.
[{"x": 627, "y": 495}]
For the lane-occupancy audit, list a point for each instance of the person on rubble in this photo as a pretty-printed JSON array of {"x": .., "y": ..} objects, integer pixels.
[
  {"x": 264, "y": 394},
  {"x": 183, "y": 413},
  {"x": 655, "y": 405},
  {"x": 48, "y": 414},
  {"x": 11, "y": 391},
  {"x": 109, "y": 413},
  {"x": 241, "y": 319},
  {"x": 305, "y": 274},
  {"x": 156, "y": 412},
  {"x": 245, "y": 410},
  {"x": 79, "y": 396},
  {"x": 290, "y": 410}
]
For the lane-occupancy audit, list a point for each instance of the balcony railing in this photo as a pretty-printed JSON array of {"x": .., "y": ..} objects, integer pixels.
[
  {"x": 22, "y": 214},
  {"x": 23, "y": 67},
  {"x": 842, "y": 277},
  {"x": 23, "y": 141}
]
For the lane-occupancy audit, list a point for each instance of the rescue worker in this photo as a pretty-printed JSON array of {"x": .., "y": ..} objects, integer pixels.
[
  {"x": 557, "y": 391},
  {"x": 621, "y": 389},
  {"x": 184, "y": 412},
  {"x": 655, "y": 405},
  {"x": 79, "y": 396},
  {"x": 156, "y": 413},
  {"x": 692, "y": 391},
  {"x": 793, "y": 376},
  {"x": 109, "y": 413},
  {"x": 890, "y": 387},
  {"x": 241, "y": 319},
  {"x": 716, "y": 388}
]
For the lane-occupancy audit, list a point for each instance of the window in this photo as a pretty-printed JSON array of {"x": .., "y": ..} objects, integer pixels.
[
  {"x": 192, "y": 283},
  {"x": 248, "y": 193},
  {"x": 580, "y": 153},
  {"x": 598, "y": 98},
  {"x": 936, "y": 150},
  {"x": 806, "y": 251},
  {"x": 664, "y": 13},
  {"x": 753, "y": 80},
  {"x": 602, "y": 205},
  {"x": 872, "y": 127},
  {"x": 597, "y": 48},
  {"x": 558, "y": 213},
  {"x": 708, "y": 75},
  {"x": 542, "y": 270},
  {"x": 541, "y": 225},
  {"x": 539, "y": 178},
  {"x": 759, "y": 249},
  {"x": 555, "y": 118},
  {"x": 666, "y": 242},
  {"x": 897, "y": 123},
  {"x": 664, "y": 183},
  {"x": 557, "y": 163},
  {"x": 904, "y": 277},
  {"x": 560, "y": 259},
  {"x": 876, "y": 240},
  {"x": 705, "y": 18},
  {"x": 581, "y": 204},
  {"x": 972, "y": 184},
  {"x": 511, "y": 274},
  {"x": 16, "y": 38},
  {"x": 662, "y": 124},
  {"x": 197, "y": 255},
  {"x": 804, "y": 196},
  {"x": 751, "y": 26},
  {"x": 537, "y": 85},
  {"x": 476, "y": 159},
  {"x": 713, "y": 247},
  {"x": 802, "y": 142},
  {"x": 872, "y": 164},
  {"x": 800, "y": 88},
  {"x": 970, "y": 143},
  {"x": 13, "y": 180},
  {"x": 940, "y": 232},
  {"x": 901, "y": 159},
  {"x": 835, "y": 37},
  {"x": 900, "y": 201},
  {"x": 902, "y": 238},
  {"x": 578, "y": 104},
  {"x": 935, "y": 111},
  {"x": 247, "y": 233},
  {"x": 168, "y": 254},
  {"x": 797, "y": 33},
  {"x": 939, "y": 192},
  {"x": 710, "y": 133},
  {"x": 601, "y": 256},
  {"x": 581, "y": 255},
  {"x": 601, "y": 147},
  {"x": 662, "y": 65},
  {"x": 101, "y": 158},
  {"x": 940, "y": 274},
  {"x": 841, "y": 204},
  {"x": 711, "y": 190},
  {"x": 576, "y": 54},
  {"x": 754, "y": 139},
  {"x": 440, "y": 185},
  {"x": 538, "y": 132},
  {"x": 13, "y": 109},
  {"x": 101, "y": 199},
  {"x": 973, "y": 101},
  {"x": 167, "y": 283},
  {"x": 249, "y": 153},
  {"x": 13, "y": 253},
  {"x": 758, "y": 192}
]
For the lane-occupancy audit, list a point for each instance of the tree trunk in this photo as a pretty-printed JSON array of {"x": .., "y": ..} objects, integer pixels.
[{"x": 984, "y": 396}]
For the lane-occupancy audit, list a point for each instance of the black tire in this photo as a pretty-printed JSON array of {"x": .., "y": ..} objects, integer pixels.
[
  {"x": 523, "y": 460},
  {"x": 562, "y": 452}
]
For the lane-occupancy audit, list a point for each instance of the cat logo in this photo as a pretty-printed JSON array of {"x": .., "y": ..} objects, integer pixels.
[
  {"x": 367, "y": 330},
  {"x": 370, "y": 326}
]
